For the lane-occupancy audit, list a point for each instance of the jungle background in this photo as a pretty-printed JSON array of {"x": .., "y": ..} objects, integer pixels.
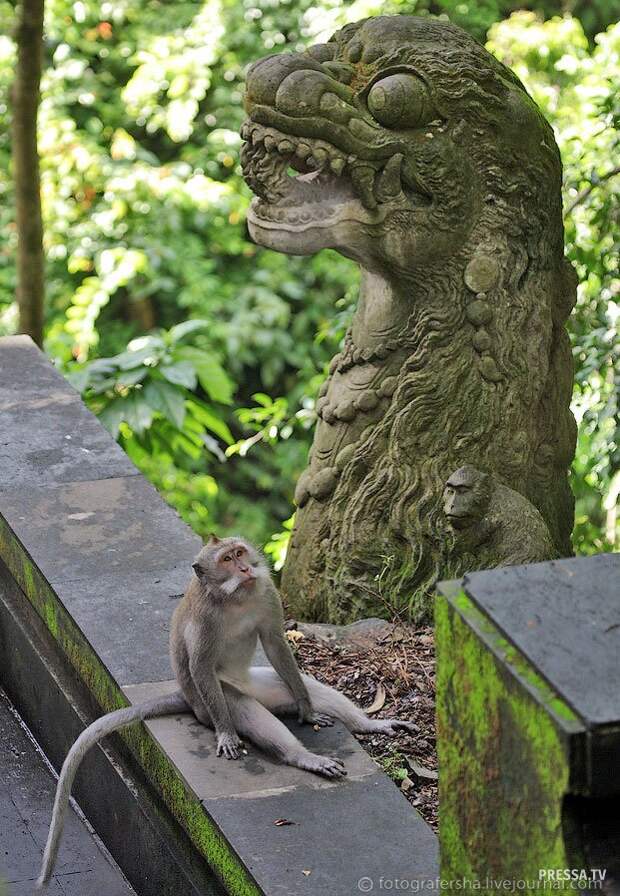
[{"x": 199, "y": 351}]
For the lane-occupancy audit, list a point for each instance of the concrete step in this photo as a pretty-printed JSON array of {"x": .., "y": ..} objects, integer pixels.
[{"x": 27, "y": 787}]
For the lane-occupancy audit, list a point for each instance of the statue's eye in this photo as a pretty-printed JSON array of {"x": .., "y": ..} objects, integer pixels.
[{"x": 400, "y": 101}]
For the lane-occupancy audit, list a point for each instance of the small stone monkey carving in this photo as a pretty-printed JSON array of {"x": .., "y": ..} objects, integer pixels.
[{"x": 491, "y": 523}]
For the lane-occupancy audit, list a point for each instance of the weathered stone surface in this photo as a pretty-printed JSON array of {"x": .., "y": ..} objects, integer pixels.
[
  {"x": 26, "y": 793},
  {"x": 72, "y": 446},
  {"x": 80, "y": 531},
  {"x": 528, "y": 720},
  {"x": 331, "y": 848},
  {"x": 191, "y": 747},
  {"x": 26, "y": 374},
  {"x": 449, "y": 199},
  {"x": 135, "y": 648},
  {"x": 540, "y": 608}
]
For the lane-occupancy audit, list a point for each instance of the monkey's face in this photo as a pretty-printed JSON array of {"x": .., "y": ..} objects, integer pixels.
[
  {"x": 230, "y": 565},
  {"x": 458, "y": 503},
  {"x": 235, "y": 568},
  {"x": 465, "y": 497}
]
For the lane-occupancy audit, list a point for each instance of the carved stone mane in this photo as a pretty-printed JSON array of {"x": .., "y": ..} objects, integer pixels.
[{"x": 423, "y": 158}]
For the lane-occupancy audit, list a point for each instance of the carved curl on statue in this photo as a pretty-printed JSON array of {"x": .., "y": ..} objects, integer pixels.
[{"x": 422, "y": 158}]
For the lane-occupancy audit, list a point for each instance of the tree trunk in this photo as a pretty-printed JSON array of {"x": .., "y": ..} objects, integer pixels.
[{"x": 30, "y": 261}]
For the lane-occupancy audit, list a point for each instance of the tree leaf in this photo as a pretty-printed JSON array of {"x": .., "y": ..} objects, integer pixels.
[
  {"x": 131, "y": 377},
  {"x": 167, "y": 400},
  {"x": 378, "y": 702},
  {"x": 181, "y": 373},
  {"x": 112, "y": 417},
  {"x": 151, "y": 352},
  {"x": 421, "y": 771},
  {"x": 137, "y": 413},
  {"x": 210, "y": 420},
  {"x": 179, "y": 331},
  {"x": 211, "y": 375}
]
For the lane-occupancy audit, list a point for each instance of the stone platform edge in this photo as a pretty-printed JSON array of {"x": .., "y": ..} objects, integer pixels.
[{"x": 160, "y": 770}]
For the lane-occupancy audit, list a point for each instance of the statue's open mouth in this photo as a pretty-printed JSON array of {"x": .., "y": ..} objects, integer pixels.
[{"x": 301, "y": 181}]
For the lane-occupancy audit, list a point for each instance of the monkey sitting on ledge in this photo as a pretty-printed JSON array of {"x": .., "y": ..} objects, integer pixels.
[{"x": 230, "y": 602}]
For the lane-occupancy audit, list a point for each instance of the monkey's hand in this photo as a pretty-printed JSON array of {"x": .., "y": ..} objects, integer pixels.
[
  {"x": 305, "y": 713},
  {"x": 228, "y": 745}
]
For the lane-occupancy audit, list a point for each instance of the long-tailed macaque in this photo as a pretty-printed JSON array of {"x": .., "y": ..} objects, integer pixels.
[{"x": 230, "y": 602}]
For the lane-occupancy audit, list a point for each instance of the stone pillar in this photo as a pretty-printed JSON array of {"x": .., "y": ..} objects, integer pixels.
[{"x": 528, "y": 721}]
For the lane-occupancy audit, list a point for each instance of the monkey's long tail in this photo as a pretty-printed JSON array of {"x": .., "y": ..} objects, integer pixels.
[{"x": 158, "y": 706}]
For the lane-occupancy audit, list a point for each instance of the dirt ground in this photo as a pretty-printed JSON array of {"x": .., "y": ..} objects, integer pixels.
[{"x": 393, "y": 669}]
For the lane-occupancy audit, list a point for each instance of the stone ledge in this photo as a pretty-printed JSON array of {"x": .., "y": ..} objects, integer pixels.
[{"x": 102, "y": 559}]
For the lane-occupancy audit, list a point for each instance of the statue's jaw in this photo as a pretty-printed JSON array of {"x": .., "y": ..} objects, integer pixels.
[{"x": 313, "y": 192}]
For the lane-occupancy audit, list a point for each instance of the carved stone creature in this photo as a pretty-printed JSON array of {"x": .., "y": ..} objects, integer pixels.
[
  {"x": 492, "y": 525},
  {"x": 422, "y": 158}
]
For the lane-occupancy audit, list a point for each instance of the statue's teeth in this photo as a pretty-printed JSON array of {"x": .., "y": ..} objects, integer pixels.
[
  {"x": 337, "y": 165},
  {"x": 309, "y": 177},
  {"x": 388, "y": 185},
  {"x": 303, "y": 150},
  {"x": 269, "y": 142},
  {"x": 285, "y": 146},
  {"x": 363, "y": 178},
  {"x": 320, "y": 155}
]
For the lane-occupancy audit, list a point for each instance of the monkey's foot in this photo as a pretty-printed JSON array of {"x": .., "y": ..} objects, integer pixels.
[
  {"x": 320, "y": 719},
  {"x": 228, "y": 745},
  {"x": 391, "y": 727},
  {"x": 321, "y": 765}
]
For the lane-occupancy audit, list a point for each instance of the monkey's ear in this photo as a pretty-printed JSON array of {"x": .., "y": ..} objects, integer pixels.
[{"x": 213, "y": 539}]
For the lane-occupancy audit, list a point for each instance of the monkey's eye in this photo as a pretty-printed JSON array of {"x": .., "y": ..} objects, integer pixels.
[
  {"x": 226, "y": 559},
  {"x": 400, "y": 101},
  {"x": 240, "y": 553}
]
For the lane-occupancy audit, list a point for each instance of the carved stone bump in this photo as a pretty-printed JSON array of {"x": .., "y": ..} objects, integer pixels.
[{"x": 482, "y": 273}]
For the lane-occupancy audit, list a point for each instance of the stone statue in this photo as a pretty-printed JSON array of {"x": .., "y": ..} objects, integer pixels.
[
  {"x": 407, "y": 147},
  {"x": 491, "y": 524}
]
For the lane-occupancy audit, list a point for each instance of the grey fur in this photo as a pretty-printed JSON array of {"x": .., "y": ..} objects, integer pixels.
[{"x": 158, "y": 706}]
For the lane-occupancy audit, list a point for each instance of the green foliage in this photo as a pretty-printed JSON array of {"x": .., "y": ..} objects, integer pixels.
[
  {"x": 576, "y": 86},
  {"x": 144, "y": 210}
]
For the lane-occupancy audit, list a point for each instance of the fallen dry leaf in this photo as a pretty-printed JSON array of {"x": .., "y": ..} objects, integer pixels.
[
  {"x": 406, "y": 670},
  {"x": 378, "y": 702},
  {"x": 421, "y": 771},
  {"x": 306, "y": 873},
  {"x": 295, "y": 636},
  {"x": 281, "y": 822}
]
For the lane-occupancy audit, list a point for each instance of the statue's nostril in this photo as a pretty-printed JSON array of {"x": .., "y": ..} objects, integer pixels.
[
  {"x": 300, "y": 92},
  {"x": 265, "y": 76}
]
